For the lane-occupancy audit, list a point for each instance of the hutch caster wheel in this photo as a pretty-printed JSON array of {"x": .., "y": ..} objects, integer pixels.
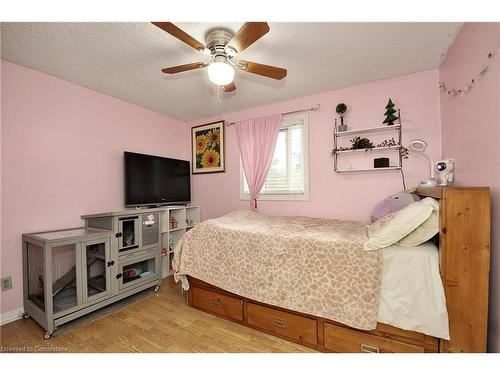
[
  {"x": 47, "y": 335},
  {"x": 156, "y": 289},
  {"x": 26, "y": 316}
]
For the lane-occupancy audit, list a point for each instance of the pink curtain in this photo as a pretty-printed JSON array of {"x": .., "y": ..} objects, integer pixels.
[{"x": 256, "y": 141}]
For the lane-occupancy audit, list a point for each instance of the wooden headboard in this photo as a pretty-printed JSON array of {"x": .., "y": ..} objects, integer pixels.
[{"x": 464, "y": 246}]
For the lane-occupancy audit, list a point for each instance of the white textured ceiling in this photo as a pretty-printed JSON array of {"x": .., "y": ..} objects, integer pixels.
[{"x": 124, "y": 60}]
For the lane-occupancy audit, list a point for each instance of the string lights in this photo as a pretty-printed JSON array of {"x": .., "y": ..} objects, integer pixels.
[{"x": 454, "y": 92}]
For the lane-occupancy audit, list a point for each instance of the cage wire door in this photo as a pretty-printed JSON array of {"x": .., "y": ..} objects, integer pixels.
[
  {"x": 96, "y": 269},
  {"x": 64, "y": 277},
  {"x": 36, "y": 275}
]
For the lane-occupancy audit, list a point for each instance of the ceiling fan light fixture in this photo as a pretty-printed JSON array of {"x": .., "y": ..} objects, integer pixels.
[{"x": 220, "y": 72}]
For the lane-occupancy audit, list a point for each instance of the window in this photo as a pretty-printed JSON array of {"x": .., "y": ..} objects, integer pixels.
[{"x": 288, "y": 177}]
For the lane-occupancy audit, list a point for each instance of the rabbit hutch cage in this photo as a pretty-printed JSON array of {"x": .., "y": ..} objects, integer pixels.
[
  {"x": 69, "y": 273},
  {"x": 65, "y": 271},
  {"x": 64, "y": 274}
]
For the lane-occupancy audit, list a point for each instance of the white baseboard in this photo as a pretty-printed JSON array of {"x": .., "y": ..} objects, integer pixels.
[{"x": 10, "y": 316}]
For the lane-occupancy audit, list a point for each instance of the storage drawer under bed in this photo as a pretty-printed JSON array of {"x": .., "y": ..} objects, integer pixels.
[
  {"x": 344, "y": 340},
  {"x": 217, "y": 303},
  {"x": 293, "y": 326}
]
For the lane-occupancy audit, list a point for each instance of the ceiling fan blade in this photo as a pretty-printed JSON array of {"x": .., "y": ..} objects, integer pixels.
[
  {"x": 248, "y": 34},
  {"x": 179, "y": 34},
  {"x": 183, "y": 68},
  {"x": 230, "y": 87},
  {"x": 263, "y": 70}
]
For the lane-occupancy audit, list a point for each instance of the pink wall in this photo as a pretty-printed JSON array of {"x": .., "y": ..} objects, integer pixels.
[
  {"x": 62, "y": 152},
  {"x": 0, "y": 167},
  {"x": 471, "y": 132},
  {"x": 348, "y": 195}
]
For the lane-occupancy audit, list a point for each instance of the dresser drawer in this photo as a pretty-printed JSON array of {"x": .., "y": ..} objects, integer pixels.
[
  {"x": 220, "y": 304},
  {"x": 344, "y": 340},
  {"x": 293, "y": 326}
]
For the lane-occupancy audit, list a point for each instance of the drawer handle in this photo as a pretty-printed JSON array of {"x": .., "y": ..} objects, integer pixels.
[
  {"x": 365, "y": 348},
  {"x": 215, "y": 302},
  {"x": 279, "y": 323}
]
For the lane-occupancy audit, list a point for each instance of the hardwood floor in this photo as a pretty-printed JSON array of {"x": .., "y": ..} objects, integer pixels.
[{"x": 160, "y": 322}]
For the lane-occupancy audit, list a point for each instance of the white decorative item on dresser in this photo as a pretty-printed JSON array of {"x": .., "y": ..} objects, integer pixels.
[
  {"x": 445, "y": 171},
  {"x": 184, "y": 217}
]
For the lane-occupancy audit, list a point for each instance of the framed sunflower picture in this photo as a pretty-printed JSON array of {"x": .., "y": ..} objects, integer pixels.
[{"x": 208, "y": 148}]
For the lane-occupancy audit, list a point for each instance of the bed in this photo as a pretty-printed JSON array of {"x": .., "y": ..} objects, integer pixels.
[{"x": 309, "y": 280}]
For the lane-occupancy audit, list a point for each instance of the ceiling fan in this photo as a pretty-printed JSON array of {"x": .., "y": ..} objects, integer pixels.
[{"x": 222, "y": 46}]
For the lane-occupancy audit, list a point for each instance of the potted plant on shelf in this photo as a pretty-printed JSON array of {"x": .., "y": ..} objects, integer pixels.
[
  {"x": 359, "y": 143},
  {"x": 341, "y": 110}
]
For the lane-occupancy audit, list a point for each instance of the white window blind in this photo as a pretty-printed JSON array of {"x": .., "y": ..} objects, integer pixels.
[{"x": 288, "y": 174}]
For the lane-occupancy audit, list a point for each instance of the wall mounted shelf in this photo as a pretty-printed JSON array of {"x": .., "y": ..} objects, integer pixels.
[
  {"x": 378, "y": 129},
  {"x": 367, "y": 169},
  {"x": 369, "y": 149}
]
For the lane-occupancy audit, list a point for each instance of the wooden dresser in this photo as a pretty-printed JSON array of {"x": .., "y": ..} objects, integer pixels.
[
  {"x": 464, "y": 262},
  {"x": 464, "y": 248}
]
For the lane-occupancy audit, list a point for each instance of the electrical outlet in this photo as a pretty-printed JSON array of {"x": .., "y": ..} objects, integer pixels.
[{"x": 6, "y": 283}]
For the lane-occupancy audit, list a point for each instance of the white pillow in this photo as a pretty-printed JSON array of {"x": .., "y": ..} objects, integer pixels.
[
  {"x": 393, "y": 227},
  {"x": 427, "y": 229}
]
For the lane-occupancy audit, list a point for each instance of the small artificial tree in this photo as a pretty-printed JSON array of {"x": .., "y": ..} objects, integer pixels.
[{"x": 390, "y": 116}]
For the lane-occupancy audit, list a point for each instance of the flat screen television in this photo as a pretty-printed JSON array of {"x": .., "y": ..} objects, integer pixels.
[{"x": 154, "y": 180}]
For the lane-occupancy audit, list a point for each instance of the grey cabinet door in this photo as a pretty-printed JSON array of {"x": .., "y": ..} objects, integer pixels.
[
  {"x": 96, "y": 269},
  {"x": 129, "y": 233},
  {"x": 63, "y": 278},
  {"x": 137, "y": 270},
  {"x": 150, "y": 229}
]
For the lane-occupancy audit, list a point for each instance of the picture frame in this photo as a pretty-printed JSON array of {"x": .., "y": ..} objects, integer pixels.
[{"x": 208, "y": 148}]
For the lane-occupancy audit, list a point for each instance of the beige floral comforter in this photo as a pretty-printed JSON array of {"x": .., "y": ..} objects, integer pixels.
[{"x": 314, "y": 266}]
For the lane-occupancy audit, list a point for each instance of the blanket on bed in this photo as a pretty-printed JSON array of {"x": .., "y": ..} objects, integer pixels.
[{"x": 314, "y": 266}]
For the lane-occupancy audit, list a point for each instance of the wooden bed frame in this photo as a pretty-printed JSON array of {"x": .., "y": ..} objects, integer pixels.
[{"x": 464, "y": 246}]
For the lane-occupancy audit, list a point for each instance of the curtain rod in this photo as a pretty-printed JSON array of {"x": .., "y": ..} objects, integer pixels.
[{"x": 310, "y": 109}]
